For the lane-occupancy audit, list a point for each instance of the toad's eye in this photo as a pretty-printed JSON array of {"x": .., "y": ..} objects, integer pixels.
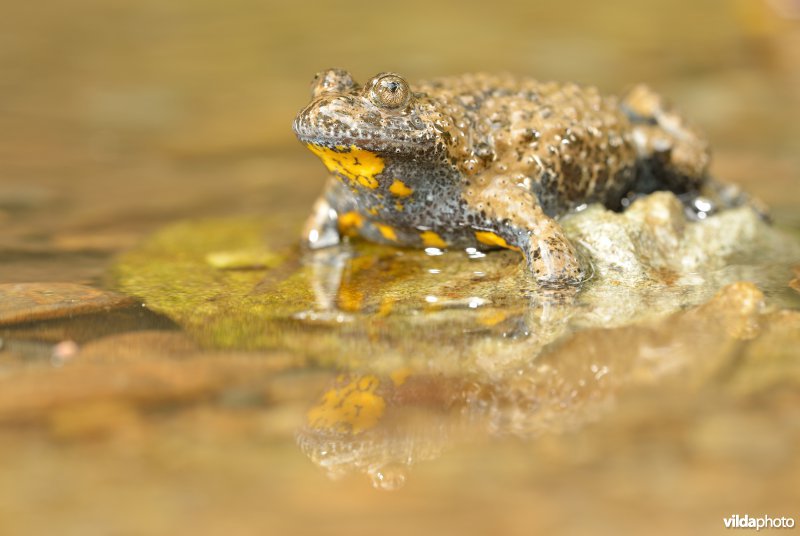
[{"x": 390, "y": 91}]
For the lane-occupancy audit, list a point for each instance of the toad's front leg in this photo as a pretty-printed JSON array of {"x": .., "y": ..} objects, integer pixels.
[
  {"x": 522, "y": 225},
  {"x": 334, "y": 214}
]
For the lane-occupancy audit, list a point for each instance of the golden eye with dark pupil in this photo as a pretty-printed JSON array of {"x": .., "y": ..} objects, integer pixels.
[{"x": 390, "y": 91}]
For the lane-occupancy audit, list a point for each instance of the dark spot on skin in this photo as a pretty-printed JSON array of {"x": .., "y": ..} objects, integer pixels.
[
  {"x": 529, "y": 135},
  {"x": 571, "y": 178},
  {"x": 484, "y": 151},
  {"x": 371, "y": 119}
]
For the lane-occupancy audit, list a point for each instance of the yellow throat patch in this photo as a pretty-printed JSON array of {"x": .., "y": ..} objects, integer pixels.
[{"x": 358, "y": 165}]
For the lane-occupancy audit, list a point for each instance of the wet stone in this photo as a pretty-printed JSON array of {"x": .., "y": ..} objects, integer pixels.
[{"x": 28, "y": 302}]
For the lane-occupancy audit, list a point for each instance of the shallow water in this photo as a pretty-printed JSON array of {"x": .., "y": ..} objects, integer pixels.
[
  {"x": 146, "y": 158},
  {"x": 436, "y": 349}
]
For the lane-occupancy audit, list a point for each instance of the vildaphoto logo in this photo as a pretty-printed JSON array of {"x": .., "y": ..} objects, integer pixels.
[{"x": 764, "y": 522}]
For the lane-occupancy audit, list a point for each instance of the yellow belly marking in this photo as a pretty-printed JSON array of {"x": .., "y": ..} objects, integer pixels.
[
  {"x": 350, "y": 223},
  {"x": 358, "y": 165},
  {"x": 387, "y": 231},
  {"x": 400, "y": 189},
  {"x": 432, "y": 240},
  {"x": 491, "y": 239}
]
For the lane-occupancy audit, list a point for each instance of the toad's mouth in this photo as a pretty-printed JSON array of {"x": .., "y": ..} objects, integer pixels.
[
  {"x": 378, "y": 145},
  {"x": 385, "y": 141}
]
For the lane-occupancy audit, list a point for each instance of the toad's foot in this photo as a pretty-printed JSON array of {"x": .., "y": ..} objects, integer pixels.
[
  {"x": 552, "y": 258},
  {"x": 522, "y": 225}
]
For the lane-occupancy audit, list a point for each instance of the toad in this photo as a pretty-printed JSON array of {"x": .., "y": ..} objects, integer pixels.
[{"x": 483, "y": 161}]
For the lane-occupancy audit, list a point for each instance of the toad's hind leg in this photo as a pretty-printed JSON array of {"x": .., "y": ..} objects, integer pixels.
[{"x": 672, "y": 154}]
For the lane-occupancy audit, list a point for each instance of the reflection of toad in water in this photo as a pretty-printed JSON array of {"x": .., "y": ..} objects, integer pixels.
[{"x": 383, "y": 424}]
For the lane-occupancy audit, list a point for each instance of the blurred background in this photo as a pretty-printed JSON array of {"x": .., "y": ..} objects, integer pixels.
[{"x": 119, "y": 117}]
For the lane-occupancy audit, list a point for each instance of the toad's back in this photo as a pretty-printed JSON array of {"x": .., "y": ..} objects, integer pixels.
[{"x": 566, "y": 143}]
